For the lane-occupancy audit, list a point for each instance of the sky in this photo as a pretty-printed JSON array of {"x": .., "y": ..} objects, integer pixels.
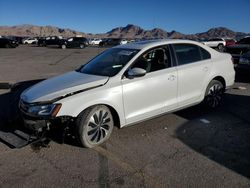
[{"x": 93, "y": 16}]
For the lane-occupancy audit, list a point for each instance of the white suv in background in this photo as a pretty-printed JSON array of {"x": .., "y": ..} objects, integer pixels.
[
  {"x": 127, "y": 84},
  {"x": 30, "y": 41},
  {"x": 95, "y": 41},
  {"x": 219, "y": 43}
]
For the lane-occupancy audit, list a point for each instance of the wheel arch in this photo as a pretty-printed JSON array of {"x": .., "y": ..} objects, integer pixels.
[
  {"x": 220, "y": 79},
  {"x": 215, "y": 77},
  {"x": 115, "y": 114}
]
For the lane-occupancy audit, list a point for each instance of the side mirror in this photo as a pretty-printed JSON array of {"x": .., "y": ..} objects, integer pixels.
[{"x": 136, "y": 72}]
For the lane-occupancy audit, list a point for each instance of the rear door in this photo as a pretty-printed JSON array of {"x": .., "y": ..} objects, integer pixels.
[{"x": 194, "y": 65}]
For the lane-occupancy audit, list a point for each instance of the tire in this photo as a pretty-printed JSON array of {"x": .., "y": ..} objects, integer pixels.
[
  {"x": 220, "y": 47},
  {"x": 82, "y": 46},
  {"x": 94, "y": 126},
  {"x": 214, "y": 94},
  {"x": 63, "y": 46}
]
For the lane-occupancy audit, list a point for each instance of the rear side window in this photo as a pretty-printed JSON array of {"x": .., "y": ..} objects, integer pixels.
[
  {"x": 187, "y": 53},
  {"x": 205, "y": 54}
]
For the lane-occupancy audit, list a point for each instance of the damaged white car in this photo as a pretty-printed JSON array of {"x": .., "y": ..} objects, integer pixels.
[{"x": 128, "y": 84}]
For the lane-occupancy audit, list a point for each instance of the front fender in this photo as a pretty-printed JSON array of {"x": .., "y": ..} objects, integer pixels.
[{"x": 74, "y": 105}]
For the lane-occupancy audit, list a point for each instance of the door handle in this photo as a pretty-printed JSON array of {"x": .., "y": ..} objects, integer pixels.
[
  {"x": 171, "y": 77},
  {"x": 205, "y": 69}
]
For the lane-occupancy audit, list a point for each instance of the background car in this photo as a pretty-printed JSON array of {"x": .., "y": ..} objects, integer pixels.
[
  {"x": 95, "y": 41},
  {"x": 230, "y": 41},
  {"x": 110, "y": 42},
  {"x": 219, "y": 43},
  {"x": 8, "y": 43},
  {"x": 244, "y": 62},
  {"x": 41, "y": 41},
  {"x": 238, "y": 49},
  {"x": 124, "y": 41},
  {"x": 30, "y": 41},
  {"x": 53, "y": 40},
  {"x": 16, "y": 38},
  {"x": 74, "y": 42}
]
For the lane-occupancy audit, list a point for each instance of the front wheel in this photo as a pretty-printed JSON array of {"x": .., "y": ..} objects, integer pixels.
[
  {"x": 94, "y": 126},
  {"x": 214, "y": 94},
  {"x": 63, "y": 46},
  {"x": 82, "y": 46}
]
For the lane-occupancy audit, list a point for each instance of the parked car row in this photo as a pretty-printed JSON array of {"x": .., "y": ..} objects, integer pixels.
[
  {"x": 72, "y": 42},
  {"x": 239, "y": 50},
  {"x": 240, "y": 53}
]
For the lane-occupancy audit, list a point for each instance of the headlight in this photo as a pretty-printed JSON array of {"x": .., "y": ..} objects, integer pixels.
[
  {"x": 44, "y": 110},
  {"x": 244, "y": 60}
]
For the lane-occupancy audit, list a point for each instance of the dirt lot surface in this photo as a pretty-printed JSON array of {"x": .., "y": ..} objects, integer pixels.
[{"x": 190, "y": 148}]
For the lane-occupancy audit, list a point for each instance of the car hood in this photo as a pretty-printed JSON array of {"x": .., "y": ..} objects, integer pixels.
[{"x": 60, "y": 86}]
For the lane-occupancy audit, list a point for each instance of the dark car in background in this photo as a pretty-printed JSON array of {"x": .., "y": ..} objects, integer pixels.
[
  {"x": 41, "y": 41},
  {"x": 240, "y": 48},
  {"x": 18, "y": 39},
  {"x": 53, "y": 40},
  {"x": 110, "y": 42},
  {"x": 244, "y": 62},
  {"x": 74, "y": 42},
  {"x": 8, "y": 43}
]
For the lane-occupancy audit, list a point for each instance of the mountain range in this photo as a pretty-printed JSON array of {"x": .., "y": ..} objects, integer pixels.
[{"x": 130, "y": 31}]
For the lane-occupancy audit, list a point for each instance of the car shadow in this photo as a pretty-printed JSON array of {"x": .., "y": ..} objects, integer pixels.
[
  {"x": 222, "y": 135},
  {"x": 242, "y": 76},
  {"x": 12, "y": 131},
  {"x": 10, "y": 118}
]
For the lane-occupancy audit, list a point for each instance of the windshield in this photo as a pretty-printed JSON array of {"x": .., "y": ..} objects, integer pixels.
[{"x": 110, "y": 62}]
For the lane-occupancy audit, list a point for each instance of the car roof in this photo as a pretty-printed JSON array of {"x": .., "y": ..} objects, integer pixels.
[{"x": 151, "y": 43}]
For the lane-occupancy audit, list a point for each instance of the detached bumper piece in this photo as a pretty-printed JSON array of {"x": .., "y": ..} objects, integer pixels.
[{"x": 18, "y": 138}]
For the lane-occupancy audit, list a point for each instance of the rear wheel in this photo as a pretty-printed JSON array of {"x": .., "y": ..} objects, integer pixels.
[
  {"x": 214, "y": 94},
  {"x": 94, "y": 126},
  {"x": 220, "y": 47}
]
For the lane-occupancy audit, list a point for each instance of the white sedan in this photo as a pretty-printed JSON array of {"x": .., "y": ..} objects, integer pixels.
[{"x": 127, "y": 84}]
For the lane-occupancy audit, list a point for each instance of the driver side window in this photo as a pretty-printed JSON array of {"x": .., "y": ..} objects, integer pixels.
[{"x": 154, "y": 60}]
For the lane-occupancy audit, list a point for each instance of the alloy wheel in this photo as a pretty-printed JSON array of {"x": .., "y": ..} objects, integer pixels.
[
  {"x": 214, "y": 95},
  {"x": 99, "y": 126}
]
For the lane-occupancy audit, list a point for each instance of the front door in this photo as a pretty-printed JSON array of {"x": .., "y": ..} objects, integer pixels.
[{"x": 153, "y": 93}]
